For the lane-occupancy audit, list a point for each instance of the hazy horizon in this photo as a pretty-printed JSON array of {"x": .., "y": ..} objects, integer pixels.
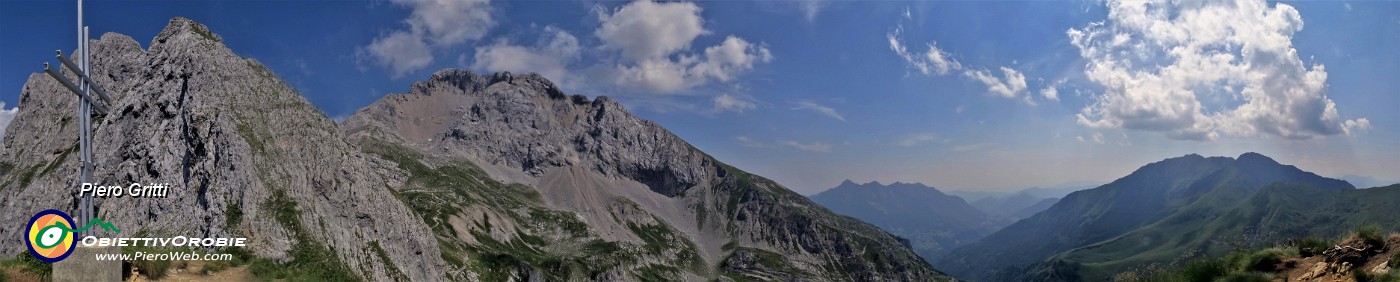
[{"x": 953, "y": 94}]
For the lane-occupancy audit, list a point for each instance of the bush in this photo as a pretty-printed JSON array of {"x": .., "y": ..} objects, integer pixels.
[
  {"x": 1147, "y": 275},
  {"x": 152, "y": 269},
  {"x": 1204, "y": 270},
  {"x": 1371, "y": 234},
  {"x": 1395, "y": 260},
  {"x": 1311, "y": 246},
  {"x": 1261, "y": 261},
  {"x": 1247, "y": 277}
]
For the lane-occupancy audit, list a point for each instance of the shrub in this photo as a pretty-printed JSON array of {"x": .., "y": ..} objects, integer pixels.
[
  {"x": 27, "y": 263},
  {"x": 214, "y": 266},
  {"x": 1311, "y": 246},
  {"x": 1371, "y": 234},
  {"x": 1247, "y": 277},
  {"x": 1262, "y": 261},
  {"x": 1395, "y": 260},
  {"x": 1151, "y": 273},
  {"x": 1361, "y": 276},
  {"x": 152, "y": 269},
  {"x": 1204, "y": 270}
]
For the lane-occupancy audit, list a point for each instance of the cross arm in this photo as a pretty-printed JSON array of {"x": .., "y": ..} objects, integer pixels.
[
  {"x": 74, "y": 88},
  {"x": 91, "y": 84}
]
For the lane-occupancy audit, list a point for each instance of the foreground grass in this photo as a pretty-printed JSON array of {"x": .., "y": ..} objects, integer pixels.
[
  {"x": 26, "y": 263},
  {"x": 1266, "y": 265}
]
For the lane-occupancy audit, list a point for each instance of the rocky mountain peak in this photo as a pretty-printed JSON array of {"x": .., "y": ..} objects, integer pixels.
[
  {"x": 523, "y": 123},
  {"x": 470, "y": 82},
  {"x": 231, "y": 139},
  {"x": 181, "y": 29}
]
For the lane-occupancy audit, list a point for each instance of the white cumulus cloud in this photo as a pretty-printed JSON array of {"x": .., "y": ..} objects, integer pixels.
[
  {"x": 654, "y": 40},
  {"x": 550, "y": 56},
  {"x": 1195, "y": 70},
  {"x": 647, "y": 30},
  {"x": 431, "y": 24},
  {"x": 1052, "y": 92}
]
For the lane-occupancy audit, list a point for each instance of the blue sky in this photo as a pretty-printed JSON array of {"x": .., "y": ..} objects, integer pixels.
[{"x": 954, "y": 94}]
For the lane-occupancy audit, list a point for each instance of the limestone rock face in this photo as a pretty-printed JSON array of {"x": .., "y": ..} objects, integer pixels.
[
  {"x": 230, "y": 138},
  {"x": 618, "y": 172},
  {"x": 526, "y": 123}
]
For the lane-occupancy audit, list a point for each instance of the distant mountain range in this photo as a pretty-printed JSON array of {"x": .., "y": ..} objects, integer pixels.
[
  {"x": 1167, "y": 211},
  {"x": 1057, "y": 191},
  {"x": 1367, "y": 181},
  {"x": 932, "y": 221},
  {"x": 1014, "y": 207},
  {"x": 1010, "y": 207}
]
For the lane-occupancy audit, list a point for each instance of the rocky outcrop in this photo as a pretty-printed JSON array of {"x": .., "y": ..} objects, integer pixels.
[
  {"x": 625, "y": 176},
  {"x": 524, "y": 122},
  {"x": 245, "y": 154}
]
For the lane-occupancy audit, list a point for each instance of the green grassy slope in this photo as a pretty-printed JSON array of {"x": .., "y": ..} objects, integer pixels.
[{"x": 1213, "y": 228}]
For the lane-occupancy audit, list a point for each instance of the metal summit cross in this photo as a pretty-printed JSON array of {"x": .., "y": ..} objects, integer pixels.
[{"x": 86, "y": 104}]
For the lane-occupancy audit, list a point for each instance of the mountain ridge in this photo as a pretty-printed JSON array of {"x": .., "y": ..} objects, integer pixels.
[
  {"x": 932, "y": 221},
  {"x": 1151, "y": 193}
]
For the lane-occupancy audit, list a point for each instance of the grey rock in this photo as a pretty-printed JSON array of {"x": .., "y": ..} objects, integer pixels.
[
  {"x": 229, "y": 136},
  {"x": 525, "y": 130},
  {"x": 525, "y": 122}
]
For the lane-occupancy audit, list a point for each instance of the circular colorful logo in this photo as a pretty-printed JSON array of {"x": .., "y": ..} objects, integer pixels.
[{"x": 48, "y": 237}]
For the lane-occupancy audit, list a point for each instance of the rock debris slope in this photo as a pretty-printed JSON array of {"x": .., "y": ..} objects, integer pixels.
[{"x": 465, "y": 177}]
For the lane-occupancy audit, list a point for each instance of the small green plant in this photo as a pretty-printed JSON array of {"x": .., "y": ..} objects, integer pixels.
[
  {"x": 152, "y": 269},
  {"x": 1394, "y": 260},
  {"x": 204, "y": 33},
  {"x": 215, "y": 266}
]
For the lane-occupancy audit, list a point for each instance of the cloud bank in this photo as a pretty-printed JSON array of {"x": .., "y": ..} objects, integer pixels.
[
  {"x": 432, "y": 24},
  {"x": 1194, "y": 70}
]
